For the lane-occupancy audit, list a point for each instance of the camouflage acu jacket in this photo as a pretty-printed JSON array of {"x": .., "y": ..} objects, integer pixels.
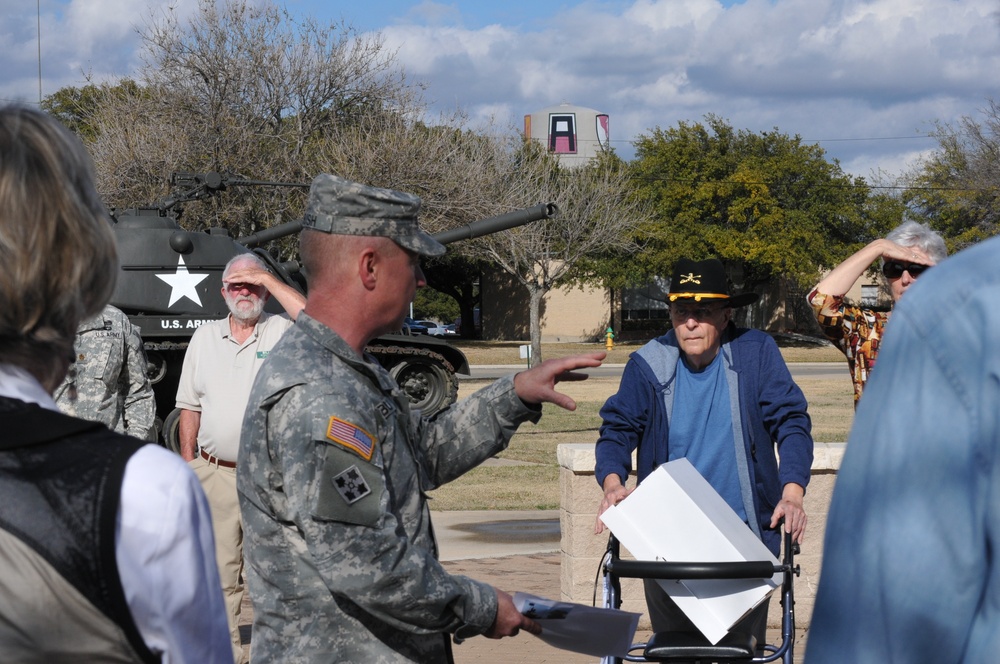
[
  {"x": 107, "y": 380},
  {"x": 341, "y": 560}
]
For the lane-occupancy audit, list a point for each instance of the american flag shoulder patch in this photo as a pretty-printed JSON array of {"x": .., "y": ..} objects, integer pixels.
[{"x": 352, "y": 437}]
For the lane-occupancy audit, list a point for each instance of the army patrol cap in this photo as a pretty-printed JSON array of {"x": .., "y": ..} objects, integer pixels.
[{"x": 342, "y": 207}]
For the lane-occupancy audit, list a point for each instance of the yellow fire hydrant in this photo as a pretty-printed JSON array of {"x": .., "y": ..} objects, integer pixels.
[{"x": 609, "y": 339}]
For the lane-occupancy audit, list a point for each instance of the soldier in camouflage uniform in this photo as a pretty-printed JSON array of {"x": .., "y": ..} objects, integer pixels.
[
  {"x": 341, "y": 559},
  {"x": 107, "y": 381}
]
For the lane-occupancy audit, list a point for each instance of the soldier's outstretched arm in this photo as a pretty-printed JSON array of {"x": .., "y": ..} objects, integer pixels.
[{"x": 537, "y": 384}]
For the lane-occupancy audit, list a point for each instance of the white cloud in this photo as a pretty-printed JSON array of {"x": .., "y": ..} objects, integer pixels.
[
  {"x": 862, "y": 71},
  {"x": 835, "y": 69}
]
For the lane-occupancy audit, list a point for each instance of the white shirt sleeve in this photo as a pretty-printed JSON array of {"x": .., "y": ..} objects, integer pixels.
[{"x": 166, "y": 560}]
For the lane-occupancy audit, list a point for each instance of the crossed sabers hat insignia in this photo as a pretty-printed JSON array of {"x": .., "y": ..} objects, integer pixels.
[{"x": 691, "y": 277}]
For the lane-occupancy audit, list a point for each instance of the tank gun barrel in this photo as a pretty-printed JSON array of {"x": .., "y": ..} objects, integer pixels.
[
  {"x": 475, "y": 229},
  {"x": 499, "y": 223},
  {"x": 272, "y": 233}
]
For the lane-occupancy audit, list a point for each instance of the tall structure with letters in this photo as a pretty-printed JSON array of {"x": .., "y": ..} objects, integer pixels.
[{"x": 576, "y": 134}]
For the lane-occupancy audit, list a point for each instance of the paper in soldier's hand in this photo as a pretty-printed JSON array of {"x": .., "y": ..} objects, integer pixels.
[{"x": 579, "y": 628}]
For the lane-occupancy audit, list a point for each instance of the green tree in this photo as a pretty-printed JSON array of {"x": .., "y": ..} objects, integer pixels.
[
  {"x": 765, "y": 203},
  {"x": 435, "y": 305},
  {"x": 76, "y": 107},
  {"x": 956, "y": 189},
  {"x": 456, "y": 276}
]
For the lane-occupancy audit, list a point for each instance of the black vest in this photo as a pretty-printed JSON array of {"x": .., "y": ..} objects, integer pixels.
[{"x": 60, "y": 487}]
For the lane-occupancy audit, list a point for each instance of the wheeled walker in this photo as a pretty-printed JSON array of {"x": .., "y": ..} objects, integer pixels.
[{"x": 692, "y": 647}]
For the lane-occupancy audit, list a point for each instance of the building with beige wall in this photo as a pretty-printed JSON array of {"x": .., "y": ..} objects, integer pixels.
[{"x": 568, "y": 314}]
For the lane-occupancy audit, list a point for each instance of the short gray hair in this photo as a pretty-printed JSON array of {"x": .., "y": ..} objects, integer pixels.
[
  {"x": 914, "y": 234},
  {"x": 248, "y": 257},
  {"x": 56, "y": 245}
]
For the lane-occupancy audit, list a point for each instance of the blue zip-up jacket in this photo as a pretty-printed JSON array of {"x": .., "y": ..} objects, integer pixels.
[{"x": 768, "y": 412}]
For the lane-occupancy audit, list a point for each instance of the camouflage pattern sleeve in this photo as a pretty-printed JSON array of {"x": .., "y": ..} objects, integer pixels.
[
  {"x": 471, "y": 431},
  {"x": 139, "y": 402},
  {"x": 107, "y": 381}
]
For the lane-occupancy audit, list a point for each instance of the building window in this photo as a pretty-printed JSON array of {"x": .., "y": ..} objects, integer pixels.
[
  {"x": 562, "y": 133},
  {"x": 648, "y": 302}
]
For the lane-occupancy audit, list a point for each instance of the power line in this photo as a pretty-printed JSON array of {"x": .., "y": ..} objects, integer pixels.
[
  {"x": 829, "y": 185},
  {"x": 870, "y": 138},
  {"x": 38, "y": 16}
]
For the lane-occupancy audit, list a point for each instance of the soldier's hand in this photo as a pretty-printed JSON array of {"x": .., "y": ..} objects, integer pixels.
[
  {"x": 537, "y": 384},
  {"x": 509, "y": 620}
]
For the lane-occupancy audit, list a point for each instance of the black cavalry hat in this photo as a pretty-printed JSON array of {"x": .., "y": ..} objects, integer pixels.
[{"x": 705, "y": 280}]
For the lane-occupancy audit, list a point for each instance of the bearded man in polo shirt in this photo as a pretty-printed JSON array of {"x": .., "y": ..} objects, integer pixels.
[{"x": 219, "y": 368}]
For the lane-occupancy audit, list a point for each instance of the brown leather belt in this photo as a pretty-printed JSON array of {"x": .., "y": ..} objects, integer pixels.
[{"x": 218, "y": 462}]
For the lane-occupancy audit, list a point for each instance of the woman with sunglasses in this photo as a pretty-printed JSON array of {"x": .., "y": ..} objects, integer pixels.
[{"x": 905, "y": 253}]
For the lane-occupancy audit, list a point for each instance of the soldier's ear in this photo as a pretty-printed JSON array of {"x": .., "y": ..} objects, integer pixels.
[{"x": 368, "y": 265}]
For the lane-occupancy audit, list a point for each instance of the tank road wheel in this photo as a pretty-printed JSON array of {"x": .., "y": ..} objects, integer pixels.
[
  {"x": 427, "y": 383},
  {"x": 171, "y": 437}
]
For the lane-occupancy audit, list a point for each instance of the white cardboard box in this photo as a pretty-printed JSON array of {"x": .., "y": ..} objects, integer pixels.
[{"x": 676, "y": 515}]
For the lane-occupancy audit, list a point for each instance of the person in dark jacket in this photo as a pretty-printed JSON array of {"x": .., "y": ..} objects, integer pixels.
[
  {"x": 722, "y": 397},
  {"x": 106, "y": 546}
]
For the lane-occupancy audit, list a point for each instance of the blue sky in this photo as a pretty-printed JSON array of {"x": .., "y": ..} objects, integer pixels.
[
  {"x": 527, "y": 15},
  {"x": 866, "y": 79}
]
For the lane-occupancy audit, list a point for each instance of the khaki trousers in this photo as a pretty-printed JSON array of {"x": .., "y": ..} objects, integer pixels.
[{"x": 219, "y": 485}]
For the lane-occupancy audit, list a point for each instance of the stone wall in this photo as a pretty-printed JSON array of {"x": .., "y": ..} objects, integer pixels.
[{"x": 582, "y": 550}]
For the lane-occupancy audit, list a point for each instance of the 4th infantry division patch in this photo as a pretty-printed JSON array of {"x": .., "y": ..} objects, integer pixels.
[
  {"x": 351, "y": 485},
  {"x": 352, "y": 437}
]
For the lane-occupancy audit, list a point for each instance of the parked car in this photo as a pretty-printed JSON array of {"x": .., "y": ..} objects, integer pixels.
[
  {"x": 414, "y": 326},
  {"x": 433, "y": 329}
]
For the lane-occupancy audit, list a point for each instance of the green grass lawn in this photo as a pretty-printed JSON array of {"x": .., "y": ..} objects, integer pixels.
[
  {"x": 534, "y": 484},
  {"x": 506, "y": 352}
]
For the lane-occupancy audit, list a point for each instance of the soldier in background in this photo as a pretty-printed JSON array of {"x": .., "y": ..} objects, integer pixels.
[{"x": 107, "y": 381}]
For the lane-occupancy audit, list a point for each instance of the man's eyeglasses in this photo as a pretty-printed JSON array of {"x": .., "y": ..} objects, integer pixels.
[
  {"x": 895, "y": 269},
  {"x": 685, "y": 312}
]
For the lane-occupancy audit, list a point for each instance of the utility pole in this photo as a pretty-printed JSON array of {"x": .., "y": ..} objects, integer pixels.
[{"x": 38, "y": 18}]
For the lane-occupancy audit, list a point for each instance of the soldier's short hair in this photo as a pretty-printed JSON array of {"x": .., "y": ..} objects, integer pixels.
[{"x": 56, "y": 245}]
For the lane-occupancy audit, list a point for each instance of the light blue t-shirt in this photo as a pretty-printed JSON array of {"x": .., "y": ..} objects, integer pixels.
[{"x": 702, "y": 429}]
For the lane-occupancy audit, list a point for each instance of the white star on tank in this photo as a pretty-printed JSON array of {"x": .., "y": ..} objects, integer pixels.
[{"x": 182, "y": 283}]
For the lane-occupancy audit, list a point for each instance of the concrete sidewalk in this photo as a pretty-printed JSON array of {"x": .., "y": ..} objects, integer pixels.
[
  {"x": 514, "y": 551},
  {"x": 475, "y": 534}
]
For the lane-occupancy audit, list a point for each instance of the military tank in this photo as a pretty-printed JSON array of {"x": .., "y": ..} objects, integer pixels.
[{"x": 171, "y": 281}]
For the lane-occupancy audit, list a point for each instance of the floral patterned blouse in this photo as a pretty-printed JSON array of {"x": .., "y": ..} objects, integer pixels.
[{"x": 856, "y": 332}]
